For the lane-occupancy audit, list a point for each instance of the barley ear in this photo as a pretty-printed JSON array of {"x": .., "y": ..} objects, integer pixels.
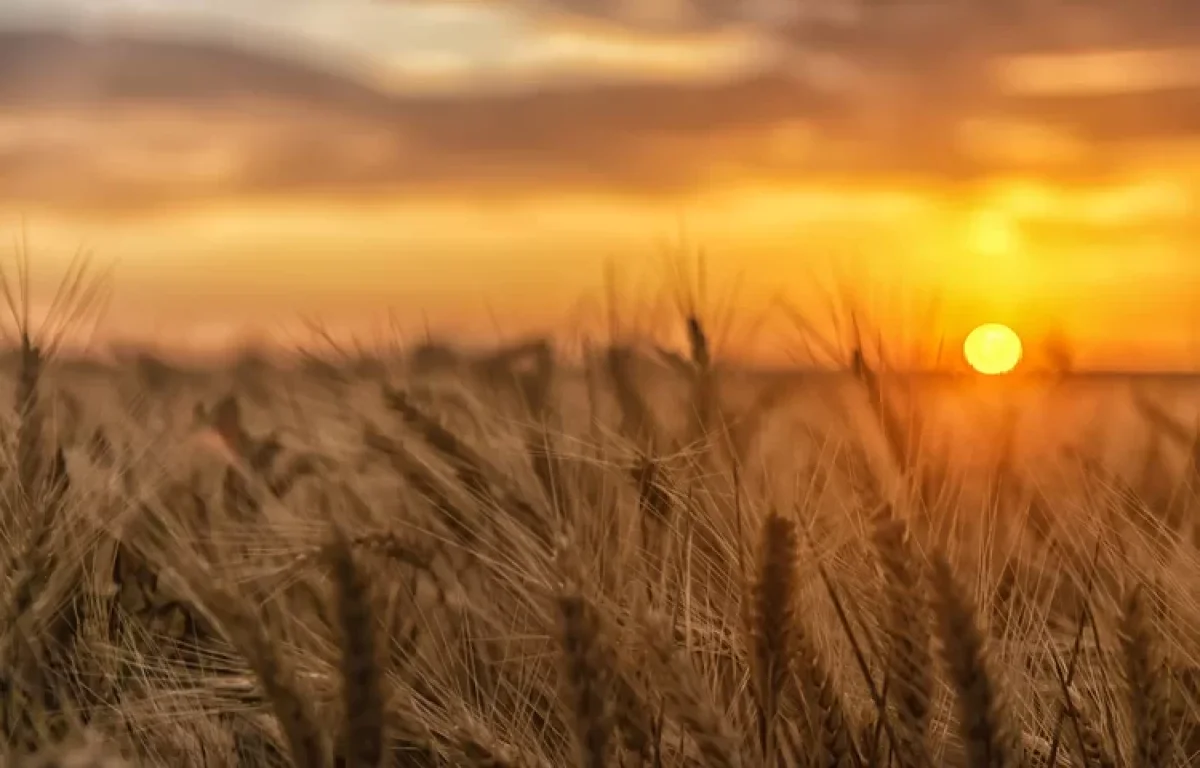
[
  {"x": 984, "y": 721},
  {"x": 586, "y": 675},
  {"x": 686, "y": 698},
  {"x": 1146, "y": 685},
  {"x": 773, "y": 624},
  {"x": 362, "y": 673},
  {"x": 909, "y": 661}
]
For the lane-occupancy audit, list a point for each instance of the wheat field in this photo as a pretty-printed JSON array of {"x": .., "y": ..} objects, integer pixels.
[{"x": 640, "y": 559}]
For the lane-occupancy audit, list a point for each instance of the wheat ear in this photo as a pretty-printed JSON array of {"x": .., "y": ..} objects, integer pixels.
[
  {"x": 985, "y": 726},
  {"x": 773, "y": 624},
  {"x": 362, "y": 673},
  {"x": 909, "y": 660},
  {"x": 1146, "y": 685},
  {"x": 586, "y": 676}
]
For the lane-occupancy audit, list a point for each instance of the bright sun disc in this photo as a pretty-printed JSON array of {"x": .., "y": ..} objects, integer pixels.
[{"x": 993, "y": 349}]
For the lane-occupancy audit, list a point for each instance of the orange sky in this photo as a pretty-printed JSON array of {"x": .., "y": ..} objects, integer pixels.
[{"x": 476, "y": 165}]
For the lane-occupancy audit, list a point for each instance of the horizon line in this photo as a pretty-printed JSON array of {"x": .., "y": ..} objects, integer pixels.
[{"x": 292, "y": 359}]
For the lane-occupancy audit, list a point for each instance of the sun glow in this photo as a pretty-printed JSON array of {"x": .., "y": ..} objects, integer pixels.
[{"x": 993, "y": 349}]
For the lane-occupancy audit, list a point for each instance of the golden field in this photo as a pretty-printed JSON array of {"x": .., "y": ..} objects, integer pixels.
[
  {"x": 626, "y": 552},
  {"x": 640, "y": 559}
]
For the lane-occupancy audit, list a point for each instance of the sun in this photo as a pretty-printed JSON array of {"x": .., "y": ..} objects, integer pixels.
[{"x": 993, "y": 349}]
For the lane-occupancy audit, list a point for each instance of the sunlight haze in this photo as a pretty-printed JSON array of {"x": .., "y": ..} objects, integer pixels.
[{"x": 477, "y": 166}]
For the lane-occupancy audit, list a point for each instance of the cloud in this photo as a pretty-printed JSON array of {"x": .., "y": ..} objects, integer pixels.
[
  {"x": 481, "y": 44},
  {"x": 129, "y": 124},
  {"x": 135, "y": 122},
  {"x": 648, "y": 15}
]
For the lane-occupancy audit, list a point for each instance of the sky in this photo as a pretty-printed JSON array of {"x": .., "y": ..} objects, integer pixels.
[{"x": 479, "y": 166}]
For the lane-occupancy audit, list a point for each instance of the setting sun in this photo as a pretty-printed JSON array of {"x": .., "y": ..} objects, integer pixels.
[{"x": 993, "y": 349}]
